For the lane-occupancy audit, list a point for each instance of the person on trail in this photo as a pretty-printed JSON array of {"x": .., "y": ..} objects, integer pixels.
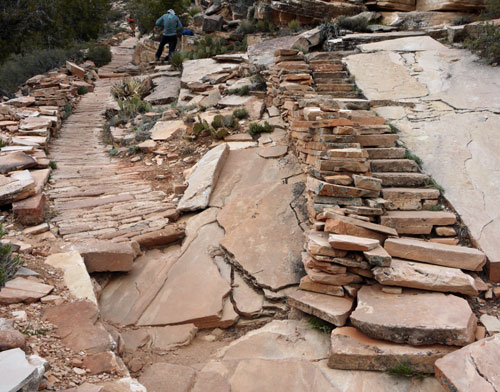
[
  {"x": 131, "y": 23},
  {"x": 171, "y": 27}
]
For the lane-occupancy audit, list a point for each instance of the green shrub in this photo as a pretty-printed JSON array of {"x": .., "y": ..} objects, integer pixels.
[
  {"x": 194, "y": 11},
  {"x": 320, "y": 325},
  {"x": 114, "y": 152},
  {"x": 432, "y": 183},
  {"x": 100, "y": 55},
  {"x": 241, "y": 91},
  {"x": 240, "y": 113},
  {"x": 8, "y": 263},
  {"x": 491, "y": 10},
  {"x": 294, "y": 25},
  {"x": 176, "y": 60},
  {"x": 461, "y": 20},
  {"x": 486, "y": 44},
  {"x": 53, "y": 165},
  {"x": 82, "y": 90},
  {"x": 353, "y": 24},
  {"x": 246, "y": 27},
  {"x": 413, "y": 157},
  {"x": 255, "y": 129},
  {"x": 405, "y": 370},
  {"x": 67, "y": 111}
]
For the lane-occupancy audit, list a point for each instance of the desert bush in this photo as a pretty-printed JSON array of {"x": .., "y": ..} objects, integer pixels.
[
  {"x": 100, "y": 55},
  {"x": 8, "y": 263},
  {"x": 242, "y": 91},
  {"x": 176, "y": 60},
  {"x": 486, "y": 43},
  {"x": 294, "y": 25},
  {"x": 255, "y": 129},
  {"x": 194, "y": 11},
  {"x": 461, "y": 20},
  {"x": 147, "y": 12},
  {"x": 82, "y": 90},
  {"x": 246, "y": 27},
  {"x": 491, "y": 10},
  {"x": 240, "y": 113},
  {"x": 353, "y": 24}
]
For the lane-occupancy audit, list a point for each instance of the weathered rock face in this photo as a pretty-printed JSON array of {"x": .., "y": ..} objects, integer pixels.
[
  {"x": 435, "y": 318},
  {"x": 474, "y": 368},
  {"x": 434, "y": 253},
  {"x": 425, "y": 276},
  {"x": 165, "y": 376},
  {"x": 203, "y": 180},
  {"x": 195, "y": 280},
  {"x": 351, "y": 349},
  {"x": 449, "y": 5},
  {"x": 126, "y": 297},
  {"x": 144, "y": 51},
  {"x": 256, "y": 220},
  {"x": 282, "y": 12}
]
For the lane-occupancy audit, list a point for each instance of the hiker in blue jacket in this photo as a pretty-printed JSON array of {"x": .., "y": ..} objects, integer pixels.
[{"x": 171, "y": 27}]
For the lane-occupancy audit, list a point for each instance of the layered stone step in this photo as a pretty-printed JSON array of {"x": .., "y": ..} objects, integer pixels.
[
  {"x": 385, "y": 140},
  {"x": 417, "y": 222},
  {"x": 391, "y": 179},
  {"x": 353, "y": 350},
  {"x": 394, "y": 165},
  {"x": 423, "y": 276},
  {"x": 334, "y": 310},
  {"x": 408, "y": 198},
  {"x": 414, "y": 317},
  {"x": 435, "y": 253},
  {"x": 386, "y": 153}
]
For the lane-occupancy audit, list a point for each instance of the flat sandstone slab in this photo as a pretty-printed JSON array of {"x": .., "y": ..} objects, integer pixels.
[
  {"x": 349, "y": 242},
  {"x": 353, "y": 350},
  {"x": 335, "y": 310},
  {"x": 423, "y": 276},
  {"x": 414, "y": 317},
  {"x": 475, "y": 368},
  {"x": 435, "y": 253}
]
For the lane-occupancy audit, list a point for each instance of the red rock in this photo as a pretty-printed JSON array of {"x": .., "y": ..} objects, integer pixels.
[
  {"x": 160, "y": 237},
  {"x": 30, "y": 211}
]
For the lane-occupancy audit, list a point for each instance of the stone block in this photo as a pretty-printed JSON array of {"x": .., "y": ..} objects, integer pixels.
[
  {"x": 102, "y": 256},
  {"x": 30, "y": 211}
]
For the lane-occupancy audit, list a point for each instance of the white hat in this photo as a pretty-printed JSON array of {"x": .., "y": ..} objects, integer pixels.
[{"x": 171, "y": 11}]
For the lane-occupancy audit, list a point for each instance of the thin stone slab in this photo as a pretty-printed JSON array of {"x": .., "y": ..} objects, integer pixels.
[
  {"x": 166, "y": 91},
  {"x": 435, "y": 253},
  {"x": 378, "y": 256},
  {"x": 23, "y": 290},
  {"x": 166, "y": 130},
  {"x": 162, "y": 376},
  {"x": 256, "y": 221},
  {"x": 76, "y": 277},
  {"x": 349, "y": 242},
  {"x": 475, "y": 368},
  {"x": 353, "y": 350},
  {"x": 335, "y": 310},
  {"x": 196, "y": 70},
  {"x": 15, "y": 161},
  {"x": 414, "y": 317},
  {"x": 203, "y": 180},
  {"x": 164, "y": 339},
  {"x": 248, "y": 302},
  {"x": 12, "y": 190},
  {"x": 273, "y": 152},
  {"x": 423, "y": 276}
]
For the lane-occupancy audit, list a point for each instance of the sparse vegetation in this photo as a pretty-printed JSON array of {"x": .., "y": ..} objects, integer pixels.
[
  {"x": 83, "y": 90},
  {"x": 294, "y": 25},
  {"x": 461, "y": 20},
  {"x": 320, "y": 325},
  {"x": 31, "y": 331},
  {"x": 437, "y": 207},
  {"x": 255, "y": 128},
  {"x": 431, "y": 183},
  {"x": 53, "y": 165},
  {"x": 8, "y": 263},
  {"x": 146, "y": 12},
  {"x": 393, "y": 129},
  {"x": 359, "y": 25},
  {"x": 491, "y": 10},
  {"x": 486, "y": 43},
  {"x": 113, "y": 152},
  {"x": 405, "y": 370},
  {"x": 67, "y": 111},
  {"x": 240, "y": 114},
  {"x": 129, "y": 95},
  {"x": 194, "y": 11},
  {"x": 413, "y": 157},
  {"x": 245, "y": 90},
  {"x": 100, "y": 55},
  {"x": 176, "y": 60}
]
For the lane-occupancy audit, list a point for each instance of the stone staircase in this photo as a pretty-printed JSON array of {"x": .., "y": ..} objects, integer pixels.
[{"x": 364, "y": 192}]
